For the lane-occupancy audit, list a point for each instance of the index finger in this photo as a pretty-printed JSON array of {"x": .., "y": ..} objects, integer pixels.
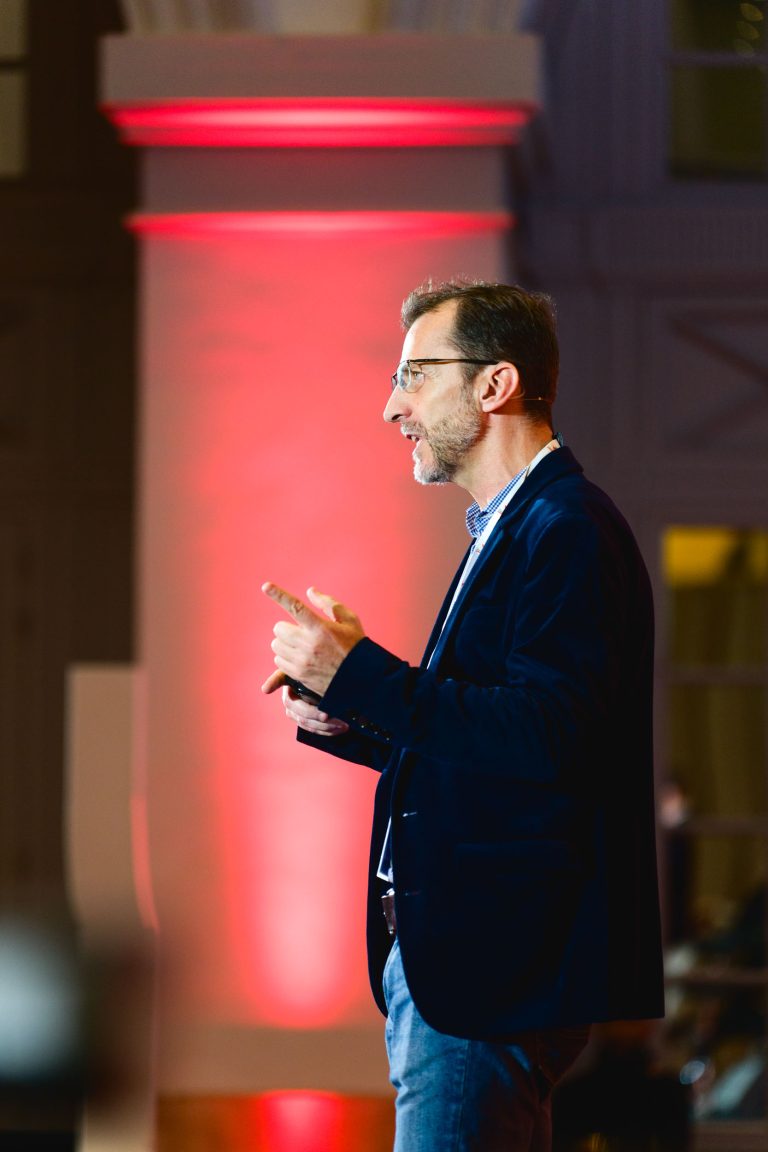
[{"x": 292, "y": 604}]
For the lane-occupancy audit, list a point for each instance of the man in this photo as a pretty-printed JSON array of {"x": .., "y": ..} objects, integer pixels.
[{"x": 513, "y": 836}]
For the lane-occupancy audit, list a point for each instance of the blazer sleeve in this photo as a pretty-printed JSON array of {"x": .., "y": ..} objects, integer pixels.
[
  {"x": 563, "y": 655},
  {"x": 356, "y": 746}
]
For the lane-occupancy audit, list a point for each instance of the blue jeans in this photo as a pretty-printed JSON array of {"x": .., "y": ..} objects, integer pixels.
[{"x": 456, "y": 1095}]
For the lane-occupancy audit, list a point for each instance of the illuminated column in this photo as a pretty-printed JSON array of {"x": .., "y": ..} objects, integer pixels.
[{"x": 292, "y": 196}]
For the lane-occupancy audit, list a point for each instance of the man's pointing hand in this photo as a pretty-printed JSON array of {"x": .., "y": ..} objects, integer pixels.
[{"x": 311, "y": 648}]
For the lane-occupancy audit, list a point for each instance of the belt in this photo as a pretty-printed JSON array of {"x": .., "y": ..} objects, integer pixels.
[{"x": 388, "y": 907}]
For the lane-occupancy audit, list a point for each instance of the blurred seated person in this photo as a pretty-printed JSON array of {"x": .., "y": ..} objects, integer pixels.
[{"x": 619, "y": 1103}]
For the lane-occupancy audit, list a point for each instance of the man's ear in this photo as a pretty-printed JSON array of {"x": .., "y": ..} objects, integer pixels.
[{"x": 500, "y": 386}]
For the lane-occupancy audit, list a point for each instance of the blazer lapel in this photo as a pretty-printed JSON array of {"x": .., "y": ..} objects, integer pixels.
[
  {"x": 477, "y": 567},
  {"x": 437, "y": 627},
  {"x": 550, "y": 469}
]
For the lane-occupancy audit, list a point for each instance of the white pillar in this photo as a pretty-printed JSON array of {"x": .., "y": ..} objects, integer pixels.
[{"x": 295, "y": 191}]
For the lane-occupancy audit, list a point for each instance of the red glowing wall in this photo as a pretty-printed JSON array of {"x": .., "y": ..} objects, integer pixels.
[{"x": 268, "y": 344}]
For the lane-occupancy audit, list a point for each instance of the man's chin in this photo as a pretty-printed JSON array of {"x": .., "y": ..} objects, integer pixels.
[{"x": 425, "y": 476}]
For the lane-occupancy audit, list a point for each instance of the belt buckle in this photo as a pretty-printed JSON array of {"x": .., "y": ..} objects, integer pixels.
[{"x": 388, "y": 908}]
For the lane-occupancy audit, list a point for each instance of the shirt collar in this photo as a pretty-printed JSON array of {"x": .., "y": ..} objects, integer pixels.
[{"x": 477, "y": 517}]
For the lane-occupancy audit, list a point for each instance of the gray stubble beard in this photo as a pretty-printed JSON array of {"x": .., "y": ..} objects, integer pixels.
[{"x": 449, "y": 442}]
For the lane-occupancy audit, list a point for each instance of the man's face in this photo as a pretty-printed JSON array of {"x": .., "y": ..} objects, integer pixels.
[{"x": 441, "y": 418}]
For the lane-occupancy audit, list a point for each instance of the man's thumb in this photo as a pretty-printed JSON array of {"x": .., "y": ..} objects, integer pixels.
[{"x": 330, "y": 606}]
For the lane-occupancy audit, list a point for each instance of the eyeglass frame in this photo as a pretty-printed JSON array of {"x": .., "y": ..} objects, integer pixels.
[
  {"x": 430, "y": 360},
  {"x": 452, "y": 360}
]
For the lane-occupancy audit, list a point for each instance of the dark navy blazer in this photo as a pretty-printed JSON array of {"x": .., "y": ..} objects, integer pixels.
[{"x": 517, "y": 770}]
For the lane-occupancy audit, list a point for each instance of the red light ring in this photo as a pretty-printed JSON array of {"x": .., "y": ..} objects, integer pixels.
[
  {"x": 292, "y": 123},
  {"x": 320, "y": 223}
]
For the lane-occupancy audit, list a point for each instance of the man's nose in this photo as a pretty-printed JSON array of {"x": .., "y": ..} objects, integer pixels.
[{"x": 396, "y": 406}]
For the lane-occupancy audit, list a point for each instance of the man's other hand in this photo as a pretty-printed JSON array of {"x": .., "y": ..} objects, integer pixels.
[{"x": 307, "y": 716}]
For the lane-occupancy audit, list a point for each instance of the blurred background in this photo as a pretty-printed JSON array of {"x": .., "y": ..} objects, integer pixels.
[{"x": 210, "y": 211}]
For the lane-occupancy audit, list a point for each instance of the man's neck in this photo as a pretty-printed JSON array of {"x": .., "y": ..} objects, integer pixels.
[{"x": 500, "y": 463}]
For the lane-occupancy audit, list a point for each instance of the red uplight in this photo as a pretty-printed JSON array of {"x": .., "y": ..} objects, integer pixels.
[
  {"x": 319, "y": 223},
  {"x": 323, "y": 123},
  {"x": 302, "y": 1121}
]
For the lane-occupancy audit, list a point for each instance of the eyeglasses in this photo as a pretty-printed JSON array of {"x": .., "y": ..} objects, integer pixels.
[{"x": 409, "y": 378}]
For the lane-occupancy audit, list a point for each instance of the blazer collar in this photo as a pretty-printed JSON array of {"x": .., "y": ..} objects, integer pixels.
[{"x": 552, "y": 468}]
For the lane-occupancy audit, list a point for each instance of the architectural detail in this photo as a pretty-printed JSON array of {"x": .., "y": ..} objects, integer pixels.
[
  {"x": 295, "y": 189},
  {"x": 333, "y": 16}
]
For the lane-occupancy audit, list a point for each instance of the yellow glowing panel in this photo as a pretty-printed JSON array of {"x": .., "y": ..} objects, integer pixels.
[{"x": 695, "y": 555}]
